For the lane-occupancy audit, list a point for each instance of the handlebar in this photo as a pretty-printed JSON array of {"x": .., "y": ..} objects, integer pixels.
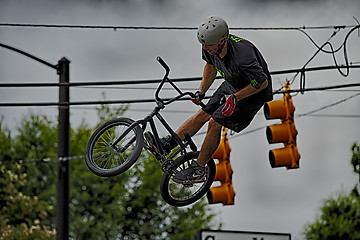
[
  {"x": 165, "y": 78},
  {"x": 167, "y": 69}
]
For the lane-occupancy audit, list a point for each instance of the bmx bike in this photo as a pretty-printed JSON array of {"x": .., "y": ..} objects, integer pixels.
[{"x": 116, "y": 145}]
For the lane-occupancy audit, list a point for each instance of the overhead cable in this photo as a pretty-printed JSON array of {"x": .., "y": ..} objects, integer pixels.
[
  {"x": 74, "y": 103},
  {"x": 330, "y": 105},
  {"x": 150, "y": 81},
  {"x": 331, "y": 52},
  {"x": 118, "y": 27},
  {"x": 43, "y": 160}
]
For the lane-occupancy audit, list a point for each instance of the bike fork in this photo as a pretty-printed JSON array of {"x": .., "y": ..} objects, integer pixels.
[{"x": 130, "y": 128}]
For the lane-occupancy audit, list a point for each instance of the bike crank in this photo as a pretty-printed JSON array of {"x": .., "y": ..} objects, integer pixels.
[{"x": 167, "y": 165}]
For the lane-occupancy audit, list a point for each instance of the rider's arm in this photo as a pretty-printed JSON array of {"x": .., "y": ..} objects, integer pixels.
[
  {"x": 250, "y": 90},
  {"x": 208, "y": 77}
]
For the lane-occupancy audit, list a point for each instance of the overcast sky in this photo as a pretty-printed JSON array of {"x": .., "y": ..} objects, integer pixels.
[{"x": 274, "y": 200}]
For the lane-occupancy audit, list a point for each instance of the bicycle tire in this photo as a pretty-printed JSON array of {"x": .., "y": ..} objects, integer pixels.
[
  {"x": 180, "y": 195},
  {"x": 105, "y": 160}
]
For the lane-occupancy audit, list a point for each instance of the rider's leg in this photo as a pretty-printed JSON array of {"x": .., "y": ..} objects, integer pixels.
[
  {"x": 193, "y": 124},
  {"x": 197, "y": 172},
  {"x": 211, "y": 142}
]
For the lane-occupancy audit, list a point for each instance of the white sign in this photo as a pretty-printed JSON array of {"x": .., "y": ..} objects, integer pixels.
[{"x": 239, "y": 235}]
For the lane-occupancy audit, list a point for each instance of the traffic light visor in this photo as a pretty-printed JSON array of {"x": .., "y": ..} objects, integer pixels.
[
  {"x": 277, "y": 133},
  {"x": 284, "y": 157},
  {"x": 275, "y": 109},
  {"x": 221, "y": 194},
  {"x": 223, "y": 171},
  {"x": 223, "y": 151},
  {"x": 281, "y": 132}
]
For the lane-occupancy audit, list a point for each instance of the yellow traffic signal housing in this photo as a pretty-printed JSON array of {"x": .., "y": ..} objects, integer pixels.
[
  {"x": 224, "y": 193},
  {"x": 223, "y": 172},
  {"x": 285, "y": 157},
  {"x": 285, "y": 132},
  {"x": 283, "y": 108},
  {"x": 222, "y": 152}
]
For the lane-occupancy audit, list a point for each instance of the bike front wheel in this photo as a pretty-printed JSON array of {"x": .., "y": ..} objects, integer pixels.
[
  {"x": 177, "y": 194},
  {"x": 105, "y": 158}
]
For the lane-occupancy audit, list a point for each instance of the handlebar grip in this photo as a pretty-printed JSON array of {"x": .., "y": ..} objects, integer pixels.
[
  {"x": 193, "y": 95},
  {"x": 162, "y": 62}
]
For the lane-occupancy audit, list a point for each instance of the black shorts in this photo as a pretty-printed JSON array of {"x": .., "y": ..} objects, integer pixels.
[{"x": 244, "y": 112}]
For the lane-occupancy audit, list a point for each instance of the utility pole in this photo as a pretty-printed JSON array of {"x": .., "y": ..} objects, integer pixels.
[{"x": 63, "y": 198}]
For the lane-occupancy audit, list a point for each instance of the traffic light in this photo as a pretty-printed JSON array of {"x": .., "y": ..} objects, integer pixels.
[
  {"x": 283, "y": 109},
  {"x": 225, "y": 192}
]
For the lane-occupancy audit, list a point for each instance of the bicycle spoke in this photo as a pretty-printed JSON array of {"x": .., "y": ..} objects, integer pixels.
[
  {"x": 107, "y": 156},
  {"x": 183, "y": 191}
]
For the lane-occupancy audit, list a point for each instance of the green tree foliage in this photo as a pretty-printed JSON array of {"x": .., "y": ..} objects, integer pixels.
[
  {"x": 355, "y": 162},
  {"x": 35, "y": 148},
  {"x": 340, "y": 217},
  {"x": 355, "y": 159},
  {"x": 128, "y": 206},
  {"x": 22, "y": 216}
]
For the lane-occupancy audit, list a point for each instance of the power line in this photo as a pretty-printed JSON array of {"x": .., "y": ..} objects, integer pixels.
[
  {"x": 150, "y": 81},
  {"x": 333, "y": 115},
  {"x": 320, "y": 88},
  {"x": 332, "y": 52},
  {"x": 98, "y": 83},
  {"x": 301, "y": 71},
  {"x": 28, "y": 104},
  {"x": 330, "y": 105},
  {"x": 191, "y": 112},
  {"x": 296, "y": 115},
  {"x": 43, "y": 160},
  {"x": 118, "y": 27}
]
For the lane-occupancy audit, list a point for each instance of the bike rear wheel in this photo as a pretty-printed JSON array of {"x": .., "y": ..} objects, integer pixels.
[
  {"x": 106, "y": 159},
  {"x": 177, "y": 194}
]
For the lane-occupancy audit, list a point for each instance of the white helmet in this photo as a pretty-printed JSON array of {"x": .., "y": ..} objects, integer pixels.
[{"x": 212, "y": 30}]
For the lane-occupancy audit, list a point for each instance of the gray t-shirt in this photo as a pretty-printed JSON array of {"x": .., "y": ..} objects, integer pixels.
[{"x": 242, "y": 65}]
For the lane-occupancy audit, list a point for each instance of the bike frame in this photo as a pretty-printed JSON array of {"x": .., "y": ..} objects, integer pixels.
[{"x": 149, "y": 119}]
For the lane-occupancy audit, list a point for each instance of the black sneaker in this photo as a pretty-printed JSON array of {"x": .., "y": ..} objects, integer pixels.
[
  {"x": 167, "y": 143},
  {"x": 193, "y": 174}
]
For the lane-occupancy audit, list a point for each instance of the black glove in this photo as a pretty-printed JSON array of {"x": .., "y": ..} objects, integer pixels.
[{"x": 199, "y": 95}]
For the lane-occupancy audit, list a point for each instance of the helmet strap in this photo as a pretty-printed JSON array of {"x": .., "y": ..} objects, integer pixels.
[{"x": 221, "y": 47}]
